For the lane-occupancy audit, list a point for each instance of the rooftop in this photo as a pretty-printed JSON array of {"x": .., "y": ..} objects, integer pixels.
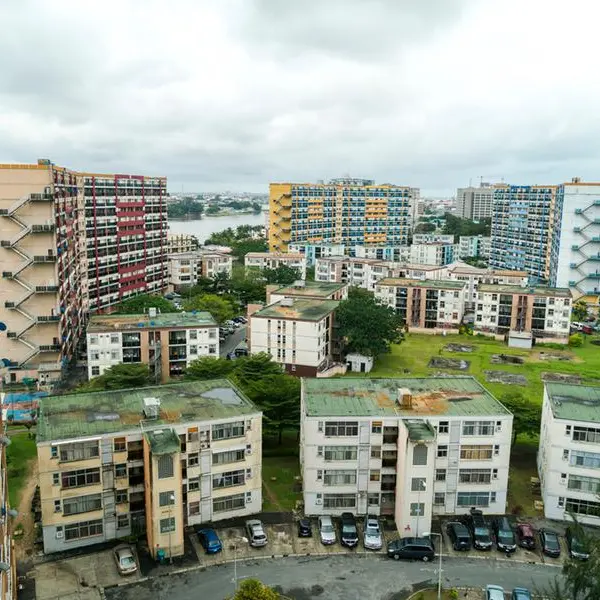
[
  {"x": 574, "y": 402},
  {"x": 364, "y": 397},
  {"x": 198, "y": 254},
  {"x": 419, "y": 430},
  {"x": 302, "y": 309},
  {"x": 423, "y": 283},
  {"x": 313, "y": 289},
  {"x": 280, "y": 255},
  {"x": 100, "y": 323},
  {"x": 535, "y": 290},
  {"x": 97, "y": 413},
  {"x": 162, "y": 441}
]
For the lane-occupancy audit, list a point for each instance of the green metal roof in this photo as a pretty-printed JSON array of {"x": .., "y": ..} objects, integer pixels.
[
  {"x": 356, "y": 397},
  {"x": 302, "y": 309},
  {"x": 574, "y": 402},
  {"x": 422, "y": 283},
  {"x": 163, "y": 441},
  {"x": 98, "y": 413},
  {"x": 317, "y": 289},
  {"x": 535, "y": 290},
  {"x": 419, "y": 430},
  {"x": 104, "y": 323}
]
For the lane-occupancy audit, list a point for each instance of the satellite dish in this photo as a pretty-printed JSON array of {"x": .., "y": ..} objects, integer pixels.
[{"x": 2, "y": 328}]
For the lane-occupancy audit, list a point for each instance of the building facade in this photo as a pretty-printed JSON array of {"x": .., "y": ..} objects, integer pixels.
[
  {"x": 432, "y": 238},
  {"x": 435, "y": 253},
  {"x": 542, "y": 311},
  {"x": 154, "y": 459},
  {"x": 474, "y": 245},
  {"x": 475, "y": 203},
  {"x": 569, "y": 452},
  {"x": 181, "y": 242},
  {"x": 407, "y": 448},
  {"x": 185, "y": 268},
  {"x": 427, "y": 306},
  {"x": 273, "y": 260},
  {"x": 343, "y": 211},
  {"x": 167, "y": 343}
]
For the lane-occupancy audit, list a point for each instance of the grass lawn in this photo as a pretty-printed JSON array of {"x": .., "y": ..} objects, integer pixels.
[
  {"x": 18, "y": 455},
  {"x": 280, "y": 463},
  {"x": 522, "y": 469}
]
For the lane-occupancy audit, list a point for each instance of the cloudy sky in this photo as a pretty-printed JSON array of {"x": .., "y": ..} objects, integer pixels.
[{"x": 232, "y": 94}]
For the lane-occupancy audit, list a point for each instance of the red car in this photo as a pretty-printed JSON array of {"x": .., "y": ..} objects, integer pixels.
[{"x": 525, "y": 536}]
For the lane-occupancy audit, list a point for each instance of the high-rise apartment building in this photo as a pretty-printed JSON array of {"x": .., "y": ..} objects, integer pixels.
[
  {"x": 475, "y": 203},
  {"x": 343, "y": 211},
  {"x": 525, "y": 230}
]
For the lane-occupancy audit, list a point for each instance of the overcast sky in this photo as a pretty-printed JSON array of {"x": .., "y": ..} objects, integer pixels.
[{"x": 232, "y": 94}]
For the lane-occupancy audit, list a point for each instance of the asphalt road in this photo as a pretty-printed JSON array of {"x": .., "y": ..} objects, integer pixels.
[
  {"x": 343, "y": 577},
  {"x": 232, "y": 341}
]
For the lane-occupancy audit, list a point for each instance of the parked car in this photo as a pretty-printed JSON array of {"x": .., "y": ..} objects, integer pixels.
[
  {"x": 459, "y": 535},
  {"x": 494, "y": 592},
  {"x": 304, "y": 528},
  {"x": 412, "y": 548},
  {"x": 208, "y": 539},
  {"x": 326, "y": 530},
  {"x": 577, "y": 546},
  {"x": 372, "y": 539},
  {"x": 525, "y": 536},
  {"x": 348, "y": 530},
  {"x": 480, "y": 530},
  {"x": 256, "y": 533},
  {"x": 550, "y": 543},
  {"x": 125, "y": 559},
  {"x": 505, "y": 537},
  {"x": 520, "y": 594}
]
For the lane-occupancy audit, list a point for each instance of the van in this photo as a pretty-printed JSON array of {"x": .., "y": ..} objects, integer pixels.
[
  {"x": 411, "y": 548},
  {"x": 505, "y": 537}
]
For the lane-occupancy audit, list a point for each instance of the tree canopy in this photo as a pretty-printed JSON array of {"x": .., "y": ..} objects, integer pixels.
[
  {"x": 220, "y": 308},
  {"x": 241, "y": 240},
  {"x": 186, "y": 207},
  {"x": 366, "y": 325},
  {"x": 580, "y": 310},
  {"x": 526, "y": 414},
  {"x": 425, "y": 228},
  {"x": 283, "y": 274},
  {"x": 119, "y": 377},
  {"x": 253, "y": 589},
  {"x": 140, "y": 304},
  {"x": 457, "y": 226},
  {"x": 209, "y": 367}
]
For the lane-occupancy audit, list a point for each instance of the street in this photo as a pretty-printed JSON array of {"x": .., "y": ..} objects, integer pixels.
[
  {"x": 341, "y": 577},
  {"x": 232, "y": 341}
]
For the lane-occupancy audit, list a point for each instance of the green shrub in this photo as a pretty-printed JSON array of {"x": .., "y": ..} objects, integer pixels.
[
  {"x": 576, "y": 340},
  {"x": 453, "y": 594}
]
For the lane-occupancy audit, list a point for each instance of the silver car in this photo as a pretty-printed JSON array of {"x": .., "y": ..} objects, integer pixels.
[
  {"x": 125, "y": 559},
  {"x": 326, "y": 530},
  {"x": 256, "y": 533},
  {"x": 372, "y": 539}
]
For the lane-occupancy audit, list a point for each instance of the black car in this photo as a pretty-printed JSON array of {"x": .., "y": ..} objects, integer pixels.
[
  {"x": 348, "y": 530},
  {"x": 505, "y": 537},
  {"x": 411, "y": 548},
  {"x": 480, "y": 530},
  {"x": 576, "y": 543},
  {"x": 550, "y": 543},
  {"x": 304, "y": 528},
  {"x": 459, "y": 535}
]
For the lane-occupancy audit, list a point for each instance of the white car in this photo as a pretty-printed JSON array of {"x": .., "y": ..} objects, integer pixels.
[
  {"x": 125, "y": 559},
  {"x": 326, "y": 530},
  {"x": 372, "y": 538},
  {"x": 256, "y": 533},
  {"x": 494, "y": 592}
]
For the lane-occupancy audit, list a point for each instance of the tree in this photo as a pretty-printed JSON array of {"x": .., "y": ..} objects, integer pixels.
[
  {"x": 220, "y": 308},
  {"x": 119, "y": 377},
  {"x": 580, "y": 311},
  {"x": 255, "y": 367},
  {"x": 576, "y": 340},
  {"x": 526, "y": 414},
  {"x": 213, "y": 209},
  {"x": 283, "y": 274},
  {"x": 253, "y": 589},
  {"x": 366, "y": 325},
  {"x": 247, "y": 286},
  {"x": 140, "y": 304},
  {"x": 425, "y": 228},
  {"x": 457, "y": 226},
  {"x": 187, "y": 207},
  {"x": 209, "y": 367}
]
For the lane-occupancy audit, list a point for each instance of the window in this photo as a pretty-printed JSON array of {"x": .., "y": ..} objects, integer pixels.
[
  {"x": 95, "y": 355},
  {"x": 194, "y": 508},
  {"x": 79, "y": 451},
  {"x": 339, "y": 500},
  {"x": 75, "y": 531},
  {"x": 57, "y": 506},
  {"x": 225, "y": 431},
  {"x": 114, "y": 338},
  {"x": 341, "y": 428},
  {"x": 193, "y": 334},
  {"x": 120, "y": 445},
  {"x": 193, "y": 349},
  {"x": 166, "y": 498},
  {"x": 478, "y": 428},
  {"x": 566, "y": 455},
  {"x": 417, "y": 484},
  {"x": 165, "y": 466},
  {"x": 121, "y": 497},
  {"x": 584, "y": 484},
  {"x": 193, "y": 460},
  {"x": 81, "y": 504},
  {"x": 420, "y": 455},
  {"x": 122, "y": 521},
  {"x": 192, "y": 434},
  {"x": 55, "y": 478},
  {"x": 473, "y": 499},
  {"x": 167, "y": 525},
  {"x": 440, "y": 474},
  {"x": 375, "y": 451},
  {"x": 79, "y": 478},
  {"x": 591, "y": 460},
  {"x": 375, "y": 475},
  {"x": 339, "y": 477},
  {"x": 442, "y": 451},
  {"x": 567, "y": 430},
  {"x": 341, "y": 452},
  {"x": 93, "y": 340},
  {"x": 474, "y": 476},
  {"x": 417, "y": 509},
  {"x": 438, "y": 498},
  {"x": 229, "y": 503},
  {"x": 586, "y": 434},
  {"x": 231, "y": 456},
  {"x": 95, "y": 371},
  {"x": 120, "y": 471},
  {"x": 443, "y": 427},
  {"x": 228, "y": 479},
  {"x": 373, "y": 499},
  {"x": 376, "y": 427},
  {"x": 53, "y": 452},
  {"x": 583, "y": 507},
  {"x": 476, "y": 452},
  {"x": 193, "y": 484}
]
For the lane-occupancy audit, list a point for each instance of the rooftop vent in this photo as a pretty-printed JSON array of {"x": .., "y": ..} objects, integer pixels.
[
  {"x": 151, "y": 408},
  {"x": 152, "y": 312},
  {"x": 405, "y": 398},
  {"x": 287, "y": 302}
]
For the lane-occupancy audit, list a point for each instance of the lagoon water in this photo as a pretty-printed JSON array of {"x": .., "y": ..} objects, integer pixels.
[{"x": 205, "y": 227}]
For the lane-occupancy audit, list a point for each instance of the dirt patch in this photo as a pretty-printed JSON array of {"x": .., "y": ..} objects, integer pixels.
[
  {"x": 438, "y": 362},
  {"x": 459, "y": 348},
  {"x": 549, "y": 356},
  {"x": 24, "y": 544},
  {"x": 506, "y": 359},
  {"x": 505, "y": 377},
  {"x": 562, "y": 378}
]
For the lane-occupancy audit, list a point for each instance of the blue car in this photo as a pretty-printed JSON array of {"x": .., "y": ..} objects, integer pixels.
[
  {"x": 521, "y": 594},
  {"x": 209, "y": 540}
]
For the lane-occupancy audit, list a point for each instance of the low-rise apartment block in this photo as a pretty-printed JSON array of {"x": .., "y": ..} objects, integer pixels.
[
  {"x": 406, "y": 448},
  {"x": 307, "y": 290},
  {"x": 435, "y": 253},
  {"x": 297, "y": 333},
  {"x": 432, "y": 238},
  {"x": 569, "y": 452},
  {"x": 541, "y": 311},
  {"x": 156, "y": 459},
  {"x": 474, "y": 245},
  {"x": 185, "y": 268},
  {"x": 181, "y": 242},
  {"x": 426, "y": 305},
  {"x": 167, "y": 343},
  {"x": 273, "y": 260}
]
